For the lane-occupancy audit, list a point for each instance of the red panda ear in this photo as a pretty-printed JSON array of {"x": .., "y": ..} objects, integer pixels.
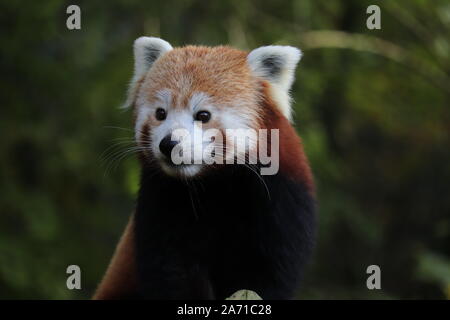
[
  {"x": 146, "y": 51},
  {"x": 277, "y": 65}
]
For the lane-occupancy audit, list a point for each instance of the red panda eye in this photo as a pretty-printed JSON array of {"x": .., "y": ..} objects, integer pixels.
[
  {"x": 203, "y": 116},
  {"x": 160, "y": 114}
]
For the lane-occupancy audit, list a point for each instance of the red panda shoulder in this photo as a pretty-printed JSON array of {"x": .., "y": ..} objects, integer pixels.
[{"x": 293, "y": 161}]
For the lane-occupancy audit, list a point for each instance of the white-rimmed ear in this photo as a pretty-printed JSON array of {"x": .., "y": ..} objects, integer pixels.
[
  {"x": 146, "y": 51},
  {"x": 276, "y": 64}
]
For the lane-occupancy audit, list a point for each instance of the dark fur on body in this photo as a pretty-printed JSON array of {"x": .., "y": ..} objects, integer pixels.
[{"x": 210, "y": 236}]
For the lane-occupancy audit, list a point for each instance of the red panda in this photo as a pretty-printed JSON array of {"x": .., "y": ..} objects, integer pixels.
[{"x": 205, "y": 231}]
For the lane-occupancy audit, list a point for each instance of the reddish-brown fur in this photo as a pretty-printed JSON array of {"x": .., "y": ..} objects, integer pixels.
[
  {"x": 120, "y": 280},
  {"x": 221, "y": 72},
  {"x": 292, "y": 157}
]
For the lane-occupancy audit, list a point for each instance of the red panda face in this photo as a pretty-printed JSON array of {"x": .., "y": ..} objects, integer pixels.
[{"x": 187, "y": 100}]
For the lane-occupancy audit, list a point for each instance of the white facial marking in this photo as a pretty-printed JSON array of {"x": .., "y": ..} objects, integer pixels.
[
  {"x": 188, "y": 156},
  {"x": 177, "y": 117}
]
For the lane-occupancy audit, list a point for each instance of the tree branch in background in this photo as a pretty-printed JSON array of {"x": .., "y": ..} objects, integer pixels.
[{"x": 360, "y": 42}]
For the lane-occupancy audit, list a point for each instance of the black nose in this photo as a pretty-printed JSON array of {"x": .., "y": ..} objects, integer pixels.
[{"x": 166, "y": 146}]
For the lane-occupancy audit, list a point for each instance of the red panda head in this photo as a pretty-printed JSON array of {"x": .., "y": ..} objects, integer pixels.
[{"x": 206, "y": 90}]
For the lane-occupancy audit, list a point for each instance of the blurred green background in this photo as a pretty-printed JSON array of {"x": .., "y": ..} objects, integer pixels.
[{"x": 371, "y": 105}]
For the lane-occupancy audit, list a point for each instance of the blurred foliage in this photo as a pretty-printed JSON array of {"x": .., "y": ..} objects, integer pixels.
[{"x": 371, "y": 105}]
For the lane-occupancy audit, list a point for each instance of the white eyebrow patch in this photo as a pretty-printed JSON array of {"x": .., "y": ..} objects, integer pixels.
[
  {"x": 164, "y": 97},
  {"x": 198, "y": 100}
]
